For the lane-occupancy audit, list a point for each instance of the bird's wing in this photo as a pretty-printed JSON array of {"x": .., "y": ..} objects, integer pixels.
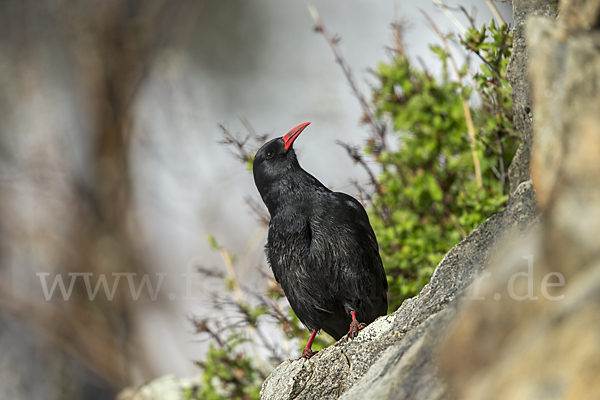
[
  {"x": 288, "y": 242},
  {"x": 353, "y": 216},
  {"x": 353, "y": 213}
]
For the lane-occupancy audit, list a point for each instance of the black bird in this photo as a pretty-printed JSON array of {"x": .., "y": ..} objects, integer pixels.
[{"x": 320, "y": 246}]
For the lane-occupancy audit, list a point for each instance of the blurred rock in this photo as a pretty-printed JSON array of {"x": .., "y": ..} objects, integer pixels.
[
  {"x": 543, "y": 341},
  {"x": 516, "y": 74},
  {"x": 166, "y": 388}
]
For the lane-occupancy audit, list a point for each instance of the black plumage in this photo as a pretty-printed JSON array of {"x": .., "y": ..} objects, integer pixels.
[{"x": 320, "y": 246}]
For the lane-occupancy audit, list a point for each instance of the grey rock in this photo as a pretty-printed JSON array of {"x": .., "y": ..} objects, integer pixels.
[
  {"x": 408, "y": 368},
  {"x": 167, "y": 387},
  {"x": 516, "y": 74}
]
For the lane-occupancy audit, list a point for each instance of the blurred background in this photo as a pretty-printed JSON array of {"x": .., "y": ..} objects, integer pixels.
[{"x": 110, "y": 163}]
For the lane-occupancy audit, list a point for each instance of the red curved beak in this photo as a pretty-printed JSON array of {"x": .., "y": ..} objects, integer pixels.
[{"x": 289, "y": 137}]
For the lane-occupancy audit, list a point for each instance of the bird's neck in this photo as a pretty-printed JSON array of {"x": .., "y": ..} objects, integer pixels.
[{"x": 291, "y": 191}]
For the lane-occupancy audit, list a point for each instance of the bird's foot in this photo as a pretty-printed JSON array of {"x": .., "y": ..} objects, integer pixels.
[
  {"x": 308, "y": 353},
  {"x": 355, "y": 326}
]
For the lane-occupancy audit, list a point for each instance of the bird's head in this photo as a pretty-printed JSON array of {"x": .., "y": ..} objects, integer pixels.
[{"x": 276, "y": 160}]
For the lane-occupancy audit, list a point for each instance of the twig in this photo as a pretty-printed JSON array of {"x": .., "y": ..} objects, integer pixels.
[
  {"x": 424, "y": 67},
  {"x": 452, "y": 18},
  {"x": 454, "y": 220},
  {"x": 240, "y": 300},
  {"x": 471, "y": 130},
  {"x": 397, "y": 31},
  {"x": 482, "y": 54},
  {"x": 259, "y": 211},
  {"x": 247, "y": 125},
  {"x": 495, "y": 171},
  {"x": 362, "y": 195},
  {"x": 446, "y": 11},
  {"x": 502, "y": 167},
  {"x": 358, "y": 158},
  {"x": 244, "y": 152},
  {"x": 445, "y": 42},
  {"x": 240, "y": 144},
  {"x": 333, "y": 43},
  {"x": 495, "y": 12},
  {"x": 201, "y": 326},
  {"x": 210, "y": 273},
  {"x": 466, "y": 109},
  {"x": 469, "y": 17}
]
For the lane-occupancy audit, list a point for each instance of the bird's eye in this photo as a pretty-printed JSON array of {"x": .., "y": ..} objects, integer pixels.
[{"x": 269, "y": 155}]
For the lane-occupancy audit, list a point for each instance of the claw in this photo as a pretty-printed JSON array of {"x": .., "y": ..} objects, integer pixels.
[
  {"x": 355, "y": 326},
  {"x": 308, "y": 353}
]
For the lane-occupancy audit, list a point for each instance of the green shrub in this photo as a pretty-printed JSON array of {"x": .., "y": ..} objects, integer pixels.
[{"x": 429, "y": 197}]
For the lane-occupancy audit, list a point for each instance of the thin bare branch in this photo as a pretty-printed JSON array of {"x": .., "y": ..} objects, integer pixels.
[
  {"x": 202, "y": 326},
  {"x": 356, "y": 155},
  {"x": 240, "y": 301},
  {"x": 450, "y": 16},
  {"x": 466, "y": 109},
  {"x": 469, "y": 16},
  {"x": 446, "y": 45},
  {"x": 503, "y": 174},
  {"x": 455, "y": 221},
  {"x": 495, "y": 12},
  {"x": 333, "y": 41},
  {"x": 258, "y": 209},
  {"x": 397, "y": 31},
  {"x": 247, "y": 125},
  {"x": 240, "y": 144}
]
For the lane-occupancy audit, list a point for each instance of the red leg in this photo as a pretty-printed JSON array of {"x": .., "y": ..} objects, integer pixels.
[
  {"x": 308, "y": 353},
  {"x": 355, "y": 326}
]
